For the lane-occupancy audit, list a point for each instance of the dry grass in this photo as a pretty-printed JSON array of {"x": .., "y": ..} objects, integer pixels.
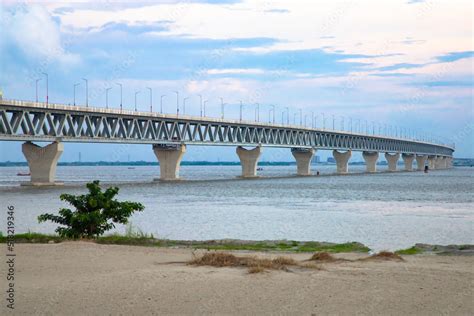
[
  {"x": 385, "y": 255},
  {"x": 323, "y": 256},
  {"x": 255, "y": 264}
]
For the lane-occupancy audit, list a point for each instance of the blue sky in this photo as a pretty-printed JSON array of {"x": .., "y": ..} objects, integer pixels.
[{"x": 391, "y": 62}]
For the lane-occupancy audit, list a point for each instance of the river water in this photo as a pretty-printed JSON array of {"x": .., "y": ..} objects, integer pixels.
[{"x": 383, "y": 210}]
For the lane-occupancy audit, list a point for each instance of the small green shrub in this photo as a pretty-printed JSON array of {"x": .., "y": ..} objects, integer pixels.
[{"x": 94, "y": 214}]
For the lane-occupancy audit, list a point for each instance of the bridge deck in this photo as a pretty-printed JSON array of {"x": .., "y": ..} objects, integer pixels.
[{"x": 32, "y": 121}]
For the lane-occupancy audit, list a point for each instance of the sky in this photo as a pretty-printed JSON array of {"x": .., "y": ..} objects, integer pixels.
[{"x": 406, "y": 63}]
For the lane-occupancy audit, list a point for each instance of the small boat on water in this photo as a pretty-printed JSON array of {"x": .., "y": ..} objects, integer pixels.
[{"x": 23, "y": 174}]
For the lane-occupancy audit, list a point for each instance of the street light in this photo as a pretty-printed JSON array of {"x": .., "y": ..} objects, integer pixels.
[
  {"x": 177, "y": 102},
  {"x": 222, "y": 108},
  {"x": 350, "y": 123},
  {"x": 241, "y": 105},
  {"x": 204, "y": 105},
  {"x": 200, "y": 98},
  {"x": 151, "y": 99},
  {"x": 333, "y": 121},
  {"x": 37, "y": 80},
  {"x": 107, "y": 98},
  {"x": 161, "y": 102},
  {"x": 342, "y": 123},
  {"x": 257, "y": 112},
  {"x": 301, "y": 117},
  {"x": 287, "y": 116},
  {"x": 324, "y": 121},
  {"x": 184, "y": 105},
  {"x": 74, "y": 95},
  {"x": 273, "y": 109},
  {"x": 87, "y": 91},
  {"x": 47, "y": 94},
  {"x": 136, "y": 93},
  {"x": 120, "y": 85}
]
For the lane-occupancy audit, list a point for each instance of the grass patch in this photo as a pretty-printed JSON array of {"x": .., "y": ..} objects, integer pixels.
[
  {"x": 409, "y": 251},
  {"x": 290, "y": 246},
  {"x": 134, "y": 236},
  {"x": 32, "y": 238}
]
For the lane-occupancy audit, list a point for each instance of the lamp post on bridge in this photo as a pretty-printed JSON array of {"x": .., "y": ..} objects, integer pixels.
[
  {"x": 287, "y": 116},
  {"x": 151, "y": 99},
  {"x": 37, "y": 80},
  {"x": 333, "y": 122},
  {"x": 301, "y": 117},
  {"x": 161, "y": 102},
  {"x": 74, "y": 94},
  {"x": 241, "y": 106},
  {"x": 273, "y": 109},
  {"x": 120, "y": 85},
  {"x": 257, "y": 112},
  {"x": 87, "y": 91},
  {"x": 324, "y": 121},
  {"x": 350, "y": 123},
  {"x": 222, "y": 108},
  {"x": 107, "y": 97},
  {"x": 47, "y": 88},
  {"x": 136, "y": 93},
  {"x": 204, "y": 106},
  {"x": 200, "y": 98},
  {"x": 312, "y": 119},
  {"x": 177, "y": 102},
  {"x": 342, "y": 123}
]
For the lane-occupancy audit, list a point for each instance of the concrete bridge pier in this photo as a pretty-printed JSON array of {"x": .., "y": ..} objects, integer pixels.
[
  {"x": 392, "y": 160},
  {"x": 449, "y": 162},
  {"x": 303, "y": 160},
  {"x": 420, "y": 162},
  {"x": 42, "y": 162},
  {"x": 440, "y": 162},
  {"x": 248, "y": 161},
  {"x": 370, "y": 160},
  {"x": 432, "y": 162},
  {"x": 408, "y": 161},
  {"x": 169, "y": 157},
  {"x": 342, "y": 160}
]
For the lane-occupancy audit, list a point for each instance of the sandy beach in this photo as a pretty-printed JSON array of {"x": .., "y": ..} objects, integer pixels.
[{"x": 84, "y": 278}]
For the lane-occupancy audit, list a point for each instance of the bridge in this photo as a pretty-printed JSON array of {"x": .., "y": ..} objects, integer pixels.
[{"x": 170, "y": 134}]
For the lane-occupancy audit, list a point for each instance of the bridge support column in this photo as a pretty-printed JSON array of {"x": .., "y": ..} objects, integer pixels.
[
  {"x": 42, "y": 162},
  {"x": 408, "y": 161},
  {"x": 432, "y": 162},
  {"x": 440, "y": 162},
  {"x": 449, "y": 162},
  {"x": 370, "y": 160},
  {"x": 420, "y": 162},
  {"x": 392, "y": 160},
  {"x": 303, "y": 160},
  {"x": 170, "y": 160},
  {"x": 342, "y": 160},
  {"x": 248, "y": 160}
]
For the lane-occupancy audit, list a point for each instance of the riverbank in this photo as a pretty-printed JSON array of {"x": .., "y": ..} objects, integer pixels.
[{"x": 94, "y": 279}]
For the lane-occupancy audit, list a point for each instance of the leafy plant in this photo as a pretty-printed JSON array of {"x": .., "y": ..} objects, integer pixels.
[{"x": 94, "y": 214}]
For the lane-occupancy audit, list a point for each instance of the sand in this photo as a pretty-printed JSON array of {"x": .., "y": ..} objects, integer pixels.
[{"x": 83, "y": 278}]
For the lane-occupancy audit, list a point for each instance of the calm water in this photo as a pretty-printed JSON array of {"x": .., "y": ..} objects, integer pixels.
[{"x": 383, "y": 211}]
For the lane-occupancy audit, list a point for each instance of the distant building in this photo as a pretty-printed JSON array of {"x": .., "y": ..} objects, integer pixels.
[{"x": 331, "y": 160}]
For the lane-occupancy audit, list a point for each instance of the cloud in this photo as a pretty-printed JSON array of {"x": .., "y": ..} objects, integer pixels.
[{"x": 33, "y": 32}]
